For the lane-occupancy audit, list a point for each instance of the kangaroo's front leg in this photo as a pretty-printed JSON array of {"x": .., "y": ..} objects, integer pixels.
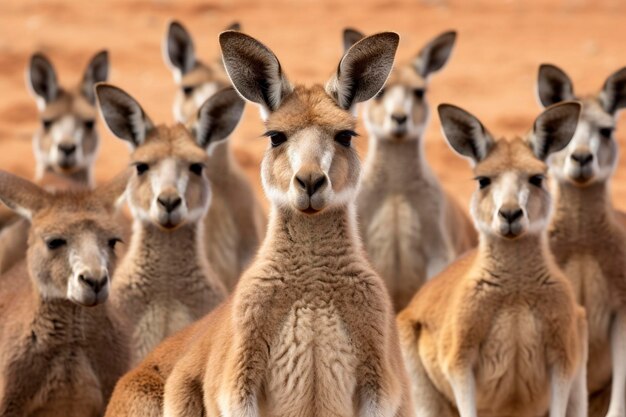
[
  {"x": 617, "y": 407},
  {"x": 464, "y": 389}
]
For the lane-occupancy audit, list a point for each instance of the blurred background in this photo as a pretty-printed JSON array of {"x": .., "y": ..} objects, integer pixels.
[{"x": 492, "y": 72}]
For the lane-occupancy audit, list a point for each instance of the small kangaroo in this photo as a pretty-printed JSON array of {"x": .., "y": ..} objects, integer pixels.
[
  {"x": 410, "y": 226},
  {"x": 164, "y": 282},
  {"x": 587, "y": 234},
  {"x": 309, "y": 330},
  {"x": 235, "y": 223},
  {"x": 62, "y": 348},
  {"x": 65, "y": 145},
  {"x": 498, "y": 332}
]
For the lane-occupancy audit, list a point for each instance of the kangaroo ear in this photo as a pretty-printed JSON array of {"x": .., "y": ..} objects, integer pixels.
[
  {"x": 464, "y": 132},
  {"x": 613, "y": 95},
  {"x": 218, "y": 117},
  {"x": 363, "y": 70},
  {"x": 21, "y": 196},
  {"x": 178, "y": 49},
  {"x": 113, "y": 192},
  {"x": 42, "y": 79},
  {"x": 234, "y": 26},
  {"x": 553, "y": 85},
  {"x": 350, "y": 37},
  {"x": 123, "y": 115},
  {"x": 254, "y": 71},
  {"x": 97, "y": 71},
  {"x": 435, "y": 54},
  {"x": 554, "y": 128}
]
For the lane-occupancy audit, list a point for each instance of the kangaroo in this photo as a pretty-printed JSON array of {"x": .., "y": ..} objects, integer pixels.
[
  {"x": 309, "y": 330},
  {"x": 235, "y": 223},
  {"x": 164, "y": 282},
  {"x": 62, "y": 348},
  {"x": 586, "y": 234},
  {"x": 65, "y": 145},
  {"x": 411, "y": 228},
  {"x": 498, "y": 332}
]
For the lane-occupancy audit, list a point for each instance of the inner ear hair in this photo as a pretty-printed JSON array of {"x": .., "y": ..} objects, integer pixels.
[
  {"x": 218, "y": 116},
  {"x": 435, "y": 54},
  {"x": 178, "y": 48},
  {"x": 553, "y": 85},
  {"x": 464, "y": 132},
  {"x": 613, "y": 95},
  {"x": 554, "y": 128},
  {"x": 97, "y": 71},
  {"x": 42, "y": 78}
]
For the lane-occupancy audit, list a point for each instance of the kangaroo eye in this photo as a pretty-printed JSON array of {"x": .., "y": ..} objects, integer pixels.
[
  {"x": 483, "y": 182},
  {"x": 47, "y": 123},
  {"x": 344, "y": 137},
  {"x": 187, "y": 90},
  {"x": 55, "y": 243},
  {"x": 114, "y": 241},
  {"x": 89, "y": 124},
  {"x": 196, "y": 168},
  {"x": 606, "y": 132},
  {"x": 536, "y": 180},
  {"x": 419, "y": 93},
  {"x": 276, "y": 138},
  {"x": 141, "y": 168}
]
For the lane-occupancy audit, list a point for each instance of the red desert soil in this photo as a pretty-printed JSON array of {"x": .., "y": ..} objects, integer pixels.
[{"x": 492, "y": 71}]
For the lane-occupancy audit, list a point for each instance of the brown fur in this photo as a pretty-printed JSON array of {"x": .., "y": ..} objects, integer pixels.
[
  {"x": 502, "y": 318},
  {"x": 58, "y": 358}
]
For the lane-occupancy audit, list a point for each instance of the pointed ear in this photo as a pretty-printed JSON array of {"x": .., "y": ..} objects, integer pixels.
[
  {"x": 41, "y": 78},
  {"x": 254, "y": 70},
  {"x": 113, "y": 192},
  {"x": 122, "y": 114},
  {"x": 363, "y": 70},
  {"x": 21, "y": 196},
  {"x": 554, "y": 128},
  {"x": 613, "y": 95},
  {"x": 218, "y": 117},
  {"x": 350, "y": 37},
  {"x": 435, "y": 54},
  {"x": 178, "y": 49},
  {"x": 464, "y": 132},
  {"x": 553, "y": 85},
  {"x": 97, "y": 71},
  {"x": 236, "y": 26}
]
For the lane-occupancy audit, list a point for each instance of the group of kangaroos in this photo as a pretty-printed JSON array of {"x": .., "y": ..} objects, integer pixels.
[{"x": 366, "y": 294}]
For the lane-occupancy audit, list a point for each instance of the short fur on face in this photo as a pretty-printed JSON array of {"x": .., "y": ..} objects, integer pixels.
[
  {"x": 592, "y": 154},
  {"x": 67, "y": 141}
]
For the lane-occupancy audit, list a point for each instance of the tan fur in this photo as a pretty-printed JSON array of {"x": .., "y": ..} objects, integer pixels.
[
  {"x": 499, "y": 326},
  {"x": 309, "y": 330},
  {"x": 164, "y": 282},
  {"x": 59, "y": 358},
  {"x": 410, "y": 226},
  {"x": 235, "y": 223}
]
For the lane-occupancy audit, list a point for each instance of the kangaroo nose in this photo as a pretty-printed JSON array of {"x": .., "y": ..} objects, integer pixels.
[
  {"x": 399, "y": 118},
  {"x": 583, "y": 158},
  {"x": 95, "y": 284},
  {"x": 510, "y": 215},
  {"x": 67, "y": 149},
  {"x": 311, "y": 182},
  {"x": 169, "y": 203}
]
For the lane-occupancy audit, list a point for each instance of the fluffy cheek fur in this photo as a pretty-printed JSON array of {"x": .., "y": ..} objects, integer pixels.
[
  {"x": 140, "y": 197},
  {"x": 197, "y": 197},
  {"x": 344, "y": 174},
  {"x": 276, "y": 175},
  {"x": 51, "y": 268}
]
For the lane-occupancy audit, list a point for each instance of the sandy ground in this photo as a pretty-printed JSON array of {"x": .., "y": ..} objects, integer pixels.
[{"x": 492, "y": 72}]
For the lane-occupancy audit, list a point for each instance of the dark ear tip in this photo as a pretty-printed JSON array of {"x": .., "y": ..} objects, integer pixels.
[
  {"x": 175, "y": 25},
  {"x": 452, "y": 34},
  {"x": 444, "y": 108},
  {"x": 39, "y": 57}
]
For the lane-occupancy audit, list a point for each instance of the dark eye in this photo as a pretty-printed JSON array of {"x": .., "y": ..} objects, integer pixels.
[
  {"x": 141, "y": 167},
  {"x": 196, "y": 168},
  {"x": 112, "y": 242},
  {"x": 55, "y": 243},
  {"x": 89, "y": 124},
  {"x": 606, "y": 132},
  {"x": 344, "y": 137},
  {"x": 187, "y": 90},
  {"x": 419, "y": 93},
  {"x": 536, "y": 180},
  {"x": 276, "y": 138},
  {"x": 380, "y": 94},
  {"x": 483, "y": 182},
  {"x": 47, "y": 123}
]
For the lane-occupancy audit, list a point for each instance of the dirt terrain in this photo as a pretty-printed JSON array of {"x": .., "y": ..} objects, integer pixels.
[{"x": 492, "y": 71}]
